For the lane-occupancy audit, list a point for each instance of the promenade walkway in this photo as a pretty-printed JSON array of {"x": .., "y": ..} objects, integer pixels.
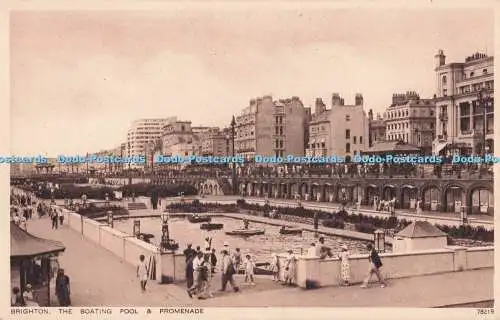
[{"x": 99, "y": 278}]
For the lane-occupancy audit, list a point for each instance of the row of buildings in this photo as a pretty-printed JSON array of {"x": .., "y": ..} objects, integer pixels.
[{"x": 451, "y": 121}]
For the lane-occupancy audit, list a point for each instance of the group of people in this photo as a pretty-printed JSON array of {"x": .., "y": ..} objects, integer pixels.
[
  {"x": 23, "y": 206},
  {"x": 375, "y": 263},
  {"x": 201, "y": 265}
]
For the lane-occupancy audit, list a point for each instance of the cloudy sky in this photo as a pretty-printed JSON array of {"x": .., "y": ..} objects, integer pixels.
[{"x": 79, "y": 78}]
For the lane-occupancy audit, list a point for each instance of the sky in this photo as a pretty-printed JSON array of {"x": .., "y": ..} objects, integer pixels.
[{"x": 78, "y": 79}]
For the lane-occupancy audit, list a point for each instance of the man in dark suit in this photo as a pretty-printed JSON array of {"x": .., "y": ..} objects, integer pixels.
[{"x": 375, "y": 265}]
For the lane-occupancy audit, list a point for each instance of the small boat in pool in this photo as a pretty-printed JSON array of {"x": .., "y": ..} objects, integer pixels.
[
  {"x": 290, "y": 230},
  {"x": 211, "y": 226},
  {"x": 245, "y": 232},
  {"x": 198, "y": 219}
]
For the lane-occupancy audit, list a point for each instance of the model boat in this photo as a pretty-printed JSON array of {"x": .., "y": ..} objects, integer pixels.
[
  {"x": 290, "y": 230},
  {"x": 198, "y": 219},
  {"x": 211, "y": 226},
  {"x": 245, "y": 232}
]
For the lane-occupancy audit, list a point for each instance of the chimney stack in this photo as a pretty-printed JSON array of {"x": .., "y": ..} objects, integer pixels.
[
  {"x": 336, "y": 100},
  {"x": 358, "y": 99}
]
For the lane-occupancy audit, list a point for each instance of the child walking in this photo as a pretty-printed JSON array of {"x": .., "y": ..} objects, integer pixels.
[
  {"x": 275, "y": 267},
  {"x": 249, "y": 266}
]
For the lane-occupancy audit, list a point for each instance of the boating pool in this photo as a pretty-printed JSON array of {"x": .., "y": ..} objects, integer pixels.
[{"x": 260, "y": 247}]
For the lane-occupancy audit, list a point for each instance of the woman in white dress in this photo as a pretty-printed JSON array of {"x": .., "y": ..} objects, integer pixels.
[{"x": 345, "y": 268}]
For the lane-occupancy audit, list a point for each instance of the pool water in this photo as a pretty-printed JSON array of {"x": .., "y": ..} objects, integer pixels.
[{"x": 260, "y": 247}]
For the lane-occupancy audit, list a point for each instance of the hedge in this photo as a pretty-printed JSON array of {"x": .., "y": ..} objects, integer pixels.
[
  {"x": 93, "y": 211},
  {"x": 72, "y": 191},
  {"x": 149, "y": 190},
  {"x": 362, "y": 223}
]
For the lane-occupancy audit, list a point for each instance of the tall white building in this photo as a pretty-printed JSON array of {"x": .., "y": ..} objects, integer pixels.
[
  {"x": 143, "y": 132},
  {"x": 341, "y": 130},
  {"x": 460, "y": 117}
]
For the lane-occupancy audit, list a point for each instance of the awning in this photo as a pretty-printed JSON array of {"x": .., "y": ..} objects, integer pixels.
[
  {"x": 371, "y": 186},
  {"x": 315, "y": 184},
  {"x": 389, "y": 186},
  {"x": 440, "y": 146},
  {"x": 455, "y": 187},
  {"x": 323, "y": 140},
  {"x": 408, "y": 186},
  {"x": 328, "y": 184},
  {"x": 24, "y": 245}
]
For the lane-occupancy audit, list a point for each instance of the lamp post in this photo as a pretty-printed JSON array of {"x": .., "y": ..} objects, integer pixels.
[
  {"x": 110, "y": 218},
  {"x": 166, "y": 243},
  {"x": 235, "y": 183},
  {"x": 484, "y": 99},
  {"x": 137, "y": 228}
]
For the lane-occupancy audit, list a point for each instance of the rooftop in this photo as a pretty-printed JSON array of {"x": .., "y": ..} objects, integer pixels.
[
  {"x": 25, "y": 245},
  {"x": 420, "y": 229}
]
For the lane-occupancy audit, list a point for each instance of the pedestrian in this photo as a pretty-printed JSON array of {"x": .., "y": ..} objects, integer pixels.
[
  {"x": 213, "y": 261},
  {"x": 15, "y": 299},
  {"x": 374, "y": 267},
  {"x": 208, "y": 243},
  {"x": 345, "y": 268},
  {"x": 237, "y": 260},
  {"x": 189, "y": 271},
  {"x": 61, "y": 216},
  {"x": 196, "y": 287},
  {"x": 249, "y": 266},
  {"x": 228, "y": 272},
  {"x": 205, "y": 276},
  {"x": 63, "y": 291},
  {"x": 53, "y": 216},
  {"x": 189, "y": 252},
  {"x": 142, "y": 272},
  {"x": 312, "y": 251},
  {"x": 275, "y": 267},
  {"x": 290, "y": 267}
]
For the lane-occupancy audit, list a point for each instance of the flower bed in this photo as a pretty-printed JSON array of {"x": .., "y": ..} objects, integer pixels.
[
  {"x": 71, "y": 191},
  {"x": 93, "y": 211}
]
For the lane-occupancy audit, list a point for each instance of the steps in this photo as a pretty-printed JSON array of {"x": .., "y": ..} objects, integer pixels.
[{"x": 136, "y": 206}]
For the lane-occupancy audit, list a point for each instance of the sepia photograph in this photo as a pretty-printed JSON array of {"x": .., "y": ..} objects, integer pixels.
[{"x": 252, "y": 157}]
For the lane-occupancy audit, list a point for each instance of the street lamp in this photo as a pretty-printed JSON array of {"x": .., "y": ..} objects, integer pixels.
[
  {"x": 484, "y": 100},
  {"x": 233, "y": 127},
  {"x": 166, "y": 243},
  {"x": 110, "y": 218},
  {"x": 137, "y": 228}
]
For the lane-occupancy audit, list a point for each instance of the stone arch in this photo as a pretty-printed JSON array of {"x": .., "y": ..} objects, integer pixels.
[
  {"x": 431, "y": 197},
  {"x": 408, "y": 197},
  {"x": 303, "y": 189},
  {"x": 389, "y": 191},
  {"x": 454, "y": 197},
  {"x": 371, "y": 191},
  {"x": 480, "y": 198}
]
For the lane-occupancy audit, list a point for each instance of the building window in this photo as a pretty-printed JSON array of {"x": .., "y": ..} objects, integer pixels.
[
  {"x": 348, "y": 147},
  {"x": 445, "y": 92},
  {"x": 360, "y": 140},
  {"x": 347, "y": 118},
  {"x": 471, "y": 74},
  {"x": 464, "y": 116},
  {"x": 485, "y": 71},
  {"x": 444, "y": 80},
  {"x": 348, "y": 134},
  {"x": 354, "y": 140}
]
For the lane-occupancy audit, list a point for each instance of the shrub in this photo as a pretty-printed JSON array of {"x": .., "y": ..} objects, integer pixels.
[
  {"x": 147, "y": 190},
  {"x": 240, "y": 202},
  {"x": 75, "y": 192},
  {"x": 392, "y": 223},
  {"x": 334, "y": 223},
  {"x": 93, "y": 211},
  {"x": 364, "y": 227}
]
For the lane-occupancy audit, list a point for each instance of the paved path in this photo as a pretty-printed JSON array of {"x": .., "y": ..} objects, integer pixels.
[
  {"x": 99, "y": 278},
  {"x": 427, "y": 291}
]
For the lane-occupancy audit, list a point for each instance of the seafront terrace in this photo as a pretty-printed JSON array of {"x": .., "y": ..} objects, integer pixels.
[{"x": 99, "y": 288}]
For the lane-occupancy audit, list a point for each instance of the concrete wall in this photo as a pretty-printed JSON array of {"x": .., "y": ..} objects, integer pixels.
[
  {"x": 124, "y": 246},
  {"x": 400, "y": 244},
  {"x": 326, "y": 272}
]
